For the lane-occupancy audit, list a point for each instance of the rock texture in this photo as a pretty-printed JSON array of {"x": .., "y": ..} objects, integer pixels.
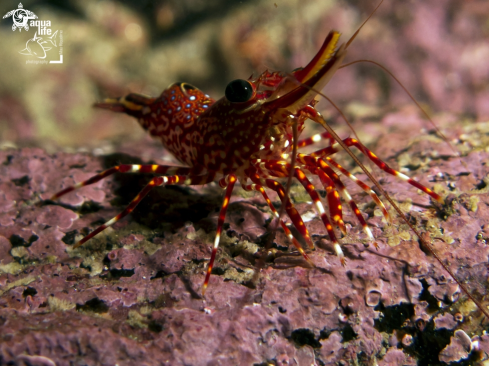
[{"x": 132, "y": 294}]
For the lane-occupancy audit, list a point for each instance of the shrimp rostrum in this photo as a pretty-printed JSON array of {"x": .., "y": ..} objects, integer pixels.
[{"x": 250, "y": 136}]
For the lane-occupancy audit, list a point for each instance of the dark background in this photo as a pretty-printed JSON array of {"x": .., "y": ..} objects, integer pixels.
[{"x": 438, "y": 49}]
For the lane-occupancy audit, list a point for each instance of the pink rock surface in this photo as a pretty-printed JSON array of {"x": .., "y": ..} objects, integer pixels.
[
  {"x": 132, "y": 294},
  {"x": 446, "y": 321},
  {"x": 459, "y": 348}
]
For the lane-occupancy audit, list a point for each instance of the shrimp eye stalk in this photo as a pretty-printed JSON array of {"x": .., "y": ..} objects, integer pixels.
[{"x": 239, "y": 91}]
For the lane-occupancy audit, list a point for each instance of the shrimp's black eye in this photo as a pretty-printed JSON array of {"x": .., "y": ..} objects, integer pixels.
[{"x": 239, "y": 91}]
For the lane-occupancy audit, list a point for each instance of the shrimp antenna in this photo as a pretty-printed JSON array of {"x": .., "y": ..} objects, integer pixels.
[
  {"x": 427, "y": 116},
  {"x": 365, "y": 22}
]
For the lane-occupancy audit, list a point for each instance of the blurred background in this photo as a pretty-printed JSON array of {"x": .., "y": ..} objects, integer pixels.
[{"x": 438, "y": 48}]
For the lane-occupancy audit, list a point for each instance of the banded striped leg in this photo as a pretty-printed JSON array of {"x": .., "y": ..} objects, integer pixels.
[
  {"x": 334, "y": 203},
  {"x": 339, "y": 185},
  {"x": 258, "y": 188},
  {"x": 289, "y": 207},
  {"x": 126, "y": 168},
  {"x": 327, "y": 176},
  {"x": 362, "y": 185},
  {"x": 326, "y": 169},
  {"x": 335, "y": 208},
  {"x": 332, "y": 183},
  {"x": 299, "y": 174},
  {"x": 386, "y": 168},
  {"x": 227, "y": 182},
  {"x": 278, "y": 168},
  {"x": 156, "y": 181},
  {"x": 308, "y": 160},
  {"x": 314, "y": 139}
]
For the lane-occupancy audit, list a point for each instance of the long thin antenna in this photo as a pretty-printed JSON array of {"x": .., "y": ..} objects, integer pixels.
[
  {"x": 360, "y": 28},
  {"x": 427, "y": 116}
]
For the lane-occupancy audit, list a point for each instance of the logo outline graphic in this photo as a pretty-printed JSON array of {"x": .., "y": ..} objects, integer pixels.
[
  {"x": 20, "y": 17},
  {"x": 38, "y": 43}
]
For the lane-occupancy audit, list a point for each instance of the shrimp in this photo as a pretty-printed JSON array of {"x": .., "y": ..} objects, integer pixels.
[
  {"x": 247, "y": 136},
  {"x": 131, "y": 294},
  {"x": 251, "y": 137}
]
